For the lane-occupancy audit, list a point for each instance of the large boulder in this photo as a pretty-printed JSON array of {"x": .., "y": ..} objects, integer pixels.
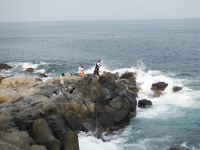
[
  {"x": 70, "y": 141},
  {"x": 18, "y": 138},
  {"x": 57, "y": 125},
  {"x": 4, "y": 66},
  {"x": 43, "y": 135}
]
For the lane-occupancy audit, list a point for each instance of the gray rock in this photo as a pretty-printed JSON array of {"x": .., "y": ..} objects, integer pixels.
[
  {"x": 49, "y": 88},
  {"x": 176, "y": 88},
  {"x": 43, "y": 135},
  {"x": 70, "y": 141},
  {"x": 116, "y": 103},
  {"x": 160, "y": 86},
  {"x": 18, "y": 138},
  {"x": 57, "y": 125}
]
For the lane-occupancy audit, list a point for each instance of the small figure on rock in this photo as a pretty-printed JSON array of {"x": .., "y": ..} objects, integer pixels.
[
  {"x": 70, "y": 89},
  {"x": 81, "y": 71},
  {"x": 98, "y": 65},
  {"x": 62, "y": 84}
]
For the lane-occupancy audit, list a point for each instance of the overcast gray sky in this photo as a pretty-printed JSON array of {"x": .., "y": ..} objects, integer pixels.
[{"x": 58, "y": 10}]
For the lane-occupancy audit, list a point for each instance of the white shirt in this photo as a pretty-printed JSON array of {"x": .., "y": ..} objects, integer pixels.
[
  {"x": 98, "y": 64},
  {"x": 80, "y": 69}
]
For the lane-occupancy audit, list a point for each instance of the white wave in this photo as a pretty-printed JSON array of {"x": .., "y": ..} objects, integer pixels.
[
  {"x": 94, "y": 143},
  {"x": 25, "y": 65}
]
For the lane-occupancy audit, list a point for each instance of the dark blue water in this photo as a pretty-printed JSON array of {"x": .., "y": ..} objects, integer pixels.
[{"x": 166, "y": 50}]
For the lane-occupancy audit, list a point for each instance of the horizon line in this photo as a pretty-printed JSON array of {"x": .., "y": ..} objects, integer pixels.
[{"x": 96, "y": 20}]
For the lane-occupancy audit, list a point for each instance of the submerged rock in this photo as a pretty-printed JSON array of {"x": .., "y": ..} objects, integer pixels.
[
  {"x": 29, "y": 69},
  {"x": 176, "y": 88}
]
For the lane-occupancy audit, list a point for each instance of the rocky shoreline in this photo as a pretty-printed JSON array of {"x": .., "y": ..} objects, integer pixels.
[
  {"x": 31, "y": 108},
  {"x": 34, "y": 116}
]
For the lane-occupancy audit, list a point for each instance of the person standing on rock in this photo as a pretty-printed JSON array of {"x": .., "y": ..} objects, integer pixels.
[
  {"x": 81, "y": 71},
  {"x": 98, "y": 65},
  {"x": 62, "y": 83}
]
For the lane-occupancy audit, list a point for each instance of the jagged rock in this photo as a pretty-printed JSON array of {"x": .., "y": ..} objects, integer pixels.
[
  {"x": 130, "y": 76},
  {"x": 160, "y": 86},
  {"x": 4, "y": 66},
  {"x": 70, "y": 141},
  {"x": 144, "y": 103},
  {"x": 29, "y": 69},
  {"x": 176, "y": 88},
  {"x": 43, "y": 135}
]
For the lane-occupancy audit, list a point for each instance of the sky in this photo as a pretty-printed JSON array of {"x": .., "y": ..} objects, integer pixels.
[{"x": 62, "y": 10}]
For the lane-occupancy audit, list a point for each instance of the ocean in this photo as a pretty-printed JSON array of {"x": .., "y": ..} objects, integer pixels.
[{"x": 156, "y": 50}]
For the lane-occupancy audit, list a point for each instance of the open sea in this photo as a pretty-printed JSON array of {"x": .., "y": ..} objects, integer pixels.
[{"x": 156, "y": 50}]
